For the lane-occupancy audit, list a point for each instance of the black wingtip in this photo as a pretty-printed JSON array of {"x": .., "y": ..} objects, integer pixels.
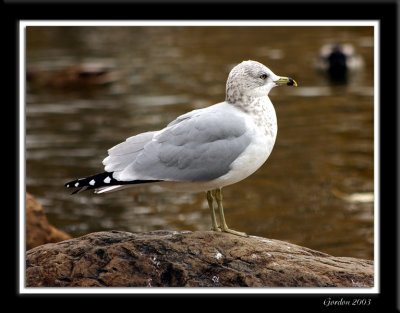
[
  {"x": 100, "y": 180},
  {"x": 79, "y": 190}
]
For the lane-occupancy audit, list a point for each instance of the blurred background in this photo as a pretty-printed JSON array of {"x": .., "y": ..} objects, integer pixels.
[{"x": 89, "y": 88}]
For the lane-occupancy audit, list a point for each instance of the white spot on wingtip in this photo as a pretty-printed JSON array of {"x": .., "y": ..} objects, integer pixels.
[
  {"x": 92, "y": 182},
  {"x": 107, "y": 180},
  {"x": 77, "y": 184}
]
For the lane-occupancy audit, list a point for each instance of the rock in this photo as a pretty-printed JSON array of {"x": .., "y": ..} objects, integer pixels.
[
  {"x": 183, "y": 259},
  {"x": 38, "y": 230}
]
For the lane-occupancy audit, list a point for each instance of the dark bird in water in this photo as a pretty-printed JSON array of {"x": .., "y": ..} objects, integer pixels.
[{"x": 338, "y": 61}]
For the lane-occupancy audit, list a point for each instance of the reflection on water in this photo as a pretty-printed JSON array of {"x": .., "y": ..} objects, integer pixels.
[{"x": 322, "y": 158}]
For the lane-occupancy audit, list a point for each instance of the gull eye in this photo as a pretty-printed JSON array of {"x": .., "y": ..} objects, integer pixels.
[{"x": 263, "y": 76}]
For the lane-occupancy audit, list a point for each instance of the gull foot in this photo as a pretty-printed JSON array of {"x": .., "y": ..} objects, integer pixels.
[{"x": 234, "y": 232}]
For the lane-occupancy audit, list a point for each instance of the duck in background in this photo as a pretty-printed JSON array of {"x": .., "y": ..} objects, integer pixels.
[
  {"x": 338, "y": 61},
  {"x": 81, "y": 75}
]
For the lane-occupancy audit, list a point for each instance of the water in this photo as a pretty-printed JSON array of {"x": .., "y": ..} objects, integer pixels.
[{"x": 315, "y": 189}]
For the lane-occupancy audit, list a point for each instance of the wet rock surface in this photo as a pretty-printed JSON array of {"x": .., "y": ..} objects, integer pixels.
[{"x": 189, "y": 259}]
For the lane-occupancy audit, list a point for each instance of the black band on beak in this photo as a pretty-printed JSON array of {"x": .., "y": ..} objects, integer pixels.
[{"x": 291, "y": 82}]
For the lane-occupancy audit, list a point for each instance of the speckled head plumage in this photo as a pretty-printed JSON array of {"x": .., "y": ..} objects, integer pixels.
[{"x": 251, "y": 79}]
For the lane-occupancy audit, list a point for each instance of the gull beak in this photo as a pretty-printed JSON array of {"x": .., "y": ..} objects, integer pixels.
[{"x": 285, "y": 81}]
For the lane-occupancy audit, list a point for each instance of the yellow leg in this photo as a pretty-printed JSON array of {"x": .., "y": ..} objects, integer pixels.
[
  {"x": 224, "y": 227},
  {"x": 210, "y": 200}
]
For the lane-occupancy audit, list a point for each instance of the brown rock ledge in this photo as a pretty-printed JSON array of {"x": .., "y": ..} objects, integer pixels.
[
  {"x": 183, "y": 259},
  {"x": 38, "y": 230}
]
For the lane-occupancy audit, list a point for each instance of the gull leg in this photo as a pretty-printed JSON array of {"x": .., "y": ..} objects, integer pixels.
[
  {"x": 210, "y": 200},
  {"x": 224, "y": 227}
]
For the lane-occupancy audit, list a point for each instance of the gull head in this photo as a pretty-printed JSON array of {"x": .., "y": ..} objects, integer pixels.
[{"x": 251, "y": 79}]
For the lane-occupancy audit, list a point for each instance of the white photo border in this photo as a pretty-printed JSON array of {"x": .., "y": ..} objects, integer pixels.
[{"x": 193, "y": 290}]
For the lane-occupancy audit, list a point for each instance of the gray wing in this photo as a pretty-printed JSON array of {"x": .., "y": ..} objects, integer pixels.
[
  {"x": 123, "y": 154},
  {"x": 199, "y": 146}
]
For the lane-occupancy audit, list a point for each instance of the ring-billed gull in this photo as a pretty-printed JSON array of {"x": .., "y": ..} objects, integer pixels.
[{"x": 203, "y": 150}]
